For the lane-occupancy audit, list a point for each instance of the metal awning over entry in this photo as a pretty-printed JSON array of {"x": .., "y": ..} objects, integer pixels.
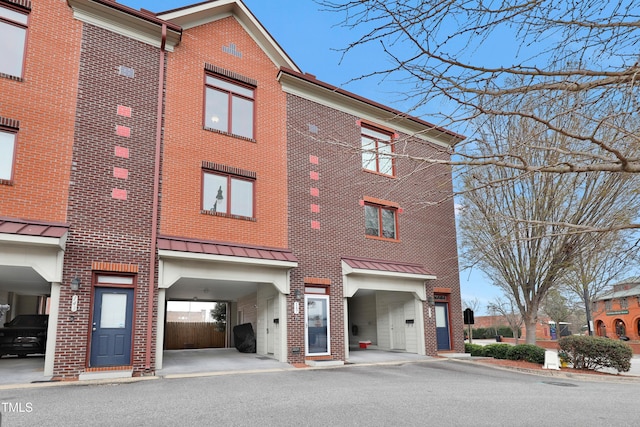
[{"x": 380, "y": 275}]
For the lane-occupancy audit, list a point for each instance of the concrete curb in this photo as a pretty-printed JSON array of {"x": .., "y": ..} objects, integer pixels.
[
  {"x": 42, "y": 384},
  {"x": 557, "y": 374}
]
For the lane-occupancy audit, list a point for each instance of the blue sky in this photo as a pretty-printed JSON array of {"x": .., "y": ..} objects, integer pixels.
[{"x": 313, "y": 38}]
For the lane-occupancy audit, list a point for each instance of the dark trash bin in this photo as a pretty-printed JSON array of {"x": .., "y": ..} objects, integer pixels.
[
  {"x": 244, "y": 338},
  {"x": 498, "y": 338}
]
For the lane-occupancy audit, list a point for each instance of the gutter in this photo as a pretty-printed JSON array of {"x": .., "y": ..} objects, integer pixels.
[{"x": 156, "y": 190}]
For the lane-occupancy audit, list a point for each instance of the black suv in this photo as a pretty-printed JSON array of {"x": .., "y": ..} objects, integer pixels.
[{"x": 24, "y": 335}]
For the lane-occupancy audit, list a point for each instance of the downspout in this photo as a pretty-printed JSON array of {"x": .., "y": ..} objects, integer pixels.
[{"x": 156, "y": 189}]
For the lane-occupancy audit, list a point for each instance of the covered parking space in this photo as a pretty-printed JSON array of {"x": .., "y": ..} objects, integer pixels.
[
  {"x": 254, "y": 281},
  {"x": 383, "y": 305},
  {"x": 31, "y": 256}
]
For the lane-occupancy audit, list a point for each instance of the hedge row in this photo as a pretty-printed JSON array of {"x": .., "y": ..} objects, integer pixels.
[
  {"x": 490, "y": 333},
  {"x": 585, "y": 352},
  {"x": 528, "y": 352}
]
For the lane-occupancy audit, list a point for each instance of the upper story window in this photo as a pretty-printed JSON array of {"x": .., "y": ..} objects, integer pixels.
[
  {"x": 13, "y": 36},
  {"x": 229, "y": 106},
  {"x": 227, "y": 194},
  {"x": 380, "y": 221},
  {"x": 624, "y": 303},
  {"x": 377, "y": 151},
  {"x": 7, "y": 152},
  {"x": 608, "y": 305}
]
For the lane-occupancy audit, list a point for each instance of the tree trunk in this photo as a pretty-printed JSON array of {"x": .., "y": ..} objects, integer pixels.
[{"x": 530, "y": 326}]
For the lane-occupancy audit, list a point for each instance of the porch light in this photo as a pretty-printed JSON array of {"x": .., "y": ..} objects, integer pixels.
[
  {"x": 430, "y": 300},
  {"x": 75, "y": 284}
]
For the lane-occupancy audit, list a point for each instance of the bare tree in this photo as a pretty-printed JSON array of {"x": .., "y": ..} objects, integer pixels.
[
  {"x": 556, "y": 306},
  {"x": 483, "y": 58},
  {"x": 596, "y": 270},
  {"x": 507, "y": 308},
  {"x": 521, "y": 229},
  {"x": 473, "y": 304},
  {"x": 468, "y": 63}
]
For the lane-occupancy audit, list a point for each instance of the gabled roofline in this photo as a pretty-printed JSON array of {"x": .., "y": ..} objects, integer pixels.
[
  {"x": 139, "y": 25},
  {"x": 202, "y": 13},
  {"x": 308, "y": 87}
]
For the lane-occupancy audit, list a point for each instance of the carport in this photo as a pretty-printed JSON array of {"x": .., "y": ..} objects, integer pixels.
[
  {"x": 253, "y": 280},
  {"x": 383, "y": 305},
  {"x": 31, "y": 255}
]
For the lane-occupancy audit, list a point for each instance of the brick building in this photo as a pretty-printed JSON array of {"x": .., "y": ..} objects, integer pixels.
[
  {"x": 37, "y": 128},
  {"x": 617, "y": 313},
  {"x": 183, "y": 156},
  {"x": 374, "y": 238}
]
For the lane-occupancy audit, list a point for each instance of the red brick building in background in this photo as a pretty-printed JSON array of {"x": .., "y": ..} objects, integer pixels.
[
  {"x": 617, "y": 313},
  {"x": 184, "y": 156}
]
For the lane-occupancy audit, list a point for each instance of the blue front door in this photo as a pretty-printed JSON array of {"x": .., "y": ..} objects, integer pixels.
[
  {"x": 112, "y": 326},
  {"x": 442, "y": 326}
]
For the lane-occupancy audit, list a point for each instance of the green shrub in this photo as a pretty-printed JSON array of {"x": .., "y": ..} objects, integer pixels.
[
  {"x": 490, "y": 333},
  {"x": 529, "y": 352},
  {"x": 474, "y": 349},
  {"x": 506, "y": 331},
  {"x": 497, "y": 351},
  {"x": 585, "y": 352}
]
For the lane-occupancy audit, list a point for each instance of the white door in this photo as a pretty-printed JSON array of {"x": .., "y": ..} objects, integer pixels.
[
  {"x": 396, "y": 323},
  {"x": 271, "y": 330}
]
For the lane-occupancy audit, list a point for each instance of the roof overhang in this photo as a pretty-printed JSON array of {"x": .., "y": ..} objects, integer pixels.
[
  {"x": 308, "y": 87},
  {"x": 168, "y": 254},
  {"x": 384, "y": 276},
  {"x": 28, "y": 248},
  {"x": 347, "y": 269},
  {"x": 138, "y": 25},
  {"x": 41, "y": 234},
  {"x": 206, "y": 12}
]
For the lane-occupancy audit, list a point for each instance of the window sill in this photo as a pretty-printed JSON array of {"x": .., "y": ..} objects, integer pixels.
[
  {"x": 385, "y": 239},
  {"x": 10, "y": 77},
  {"x": 6, "y": 182},
  {"x": 232, "y": 135},
  {"x": 226, "y": 215},
  {"x": 379, "y": 174}
]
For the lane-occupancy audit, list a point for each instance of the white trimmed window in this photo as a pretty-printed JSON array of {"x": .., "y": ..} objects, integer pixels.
[{"x": 7, "y": 154}]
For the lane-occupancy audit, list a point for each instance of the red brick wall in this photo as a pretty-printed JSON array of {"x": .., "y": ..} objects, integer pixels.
[
  {"x": 187, "y": 144},
  {"x": 426, "y": 233},
  {"x": 105, "y": 228},
  {"x": 631, "y": 319},
  {"x": 44, "y": 104}
]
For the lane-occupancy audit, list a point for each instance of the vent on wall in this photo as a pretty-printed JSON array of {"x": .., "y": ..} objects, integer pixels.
[
  {"x": 126, "y": 71},
  {"x": 231, "y": 49}
]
